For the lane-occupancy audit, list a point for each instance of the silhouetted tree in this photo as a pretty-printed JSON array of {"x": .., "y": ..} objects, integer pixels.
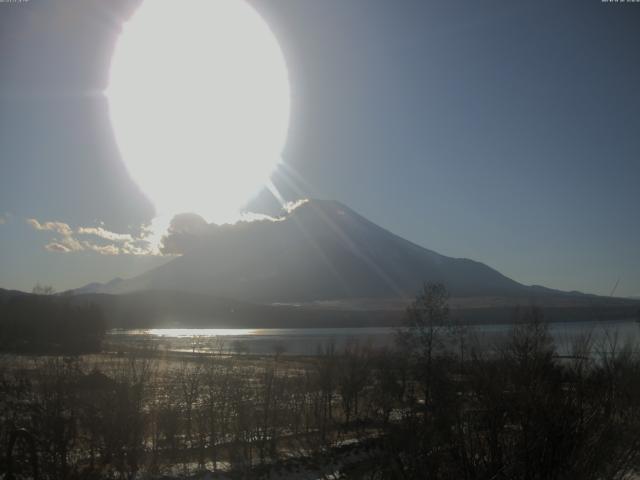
[{"x": 39, "y": 289}]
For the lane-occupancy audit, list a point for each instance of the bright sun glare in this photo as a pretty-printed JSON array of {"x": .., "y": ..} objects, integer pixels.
[{"x": 199, "y": 101}]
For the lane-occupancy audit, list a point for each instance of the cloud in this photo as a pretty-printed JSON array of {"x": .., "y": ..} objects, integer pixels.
[
  {"x": 56, "y": 247},
  {"x": 71, "y": 243},
  {"x": 105, "y": 234},
  {"x": 58, "y": 227},
  {"x": 189, "y": 231},
  {"x": 186, "y": 232},
  {"x": 94, "y": 239},
  {"x": 187, "y": 223},
  {"x": 291, "y": 206},
  {"x": 104, "y": 249},
  {"x": 246, "y": 217}
]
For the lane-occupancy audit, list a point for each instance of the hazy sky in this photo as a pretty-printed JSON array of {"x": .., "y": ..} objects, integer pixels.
[{"x": 507, "y": 132}]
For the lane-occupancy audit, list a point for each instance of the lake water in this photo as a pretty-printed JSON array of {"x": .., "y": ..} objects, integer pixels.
[{"x": 308, "y": 341}]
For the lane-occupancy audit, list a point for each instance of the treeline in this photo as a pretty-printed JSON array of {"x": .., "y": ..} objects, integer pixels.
[
  {"x": 49, "y": 323},
  {"x": 158, "y": 308},
  {"x": 517, "y": 410},
  {"x": 436, "y": 407}
]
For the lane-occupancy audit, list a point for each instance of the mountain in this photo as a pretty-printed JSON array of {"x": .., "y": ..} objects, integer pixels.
[
  {"x": 97, "y": 287},
  {"x": 6, "y": 295},
  {"x": 321, "y": 250}
]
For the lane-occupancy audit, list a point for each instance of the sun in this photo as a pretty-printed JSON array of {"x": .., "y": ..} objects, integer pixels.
[{"x": 199, "y": 101}]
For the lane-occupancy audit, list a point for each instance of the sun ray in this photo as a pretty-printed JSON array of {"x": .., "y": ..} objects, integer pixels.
[
  {"x": 314, "y": 244},
  {"x": 360, "y": 253}
]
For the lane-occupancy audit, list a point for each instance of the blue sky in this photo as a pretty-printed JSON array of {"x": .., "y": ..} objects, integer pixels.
[{"x": 502, "y": 131}]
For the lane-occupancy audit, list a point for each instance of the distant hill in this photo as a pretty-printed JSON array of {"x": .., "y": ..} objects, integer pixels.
[
  {"x": 176, "y": 309},
  {"x": 97, "y": 287},
  {"x": 31, "y": 323},
  {"x": 159, "y": 308},
  {"x": 322, "y": 264},
  {"x": 322, "y": 250},
  {"x": 6, "y": 295}
]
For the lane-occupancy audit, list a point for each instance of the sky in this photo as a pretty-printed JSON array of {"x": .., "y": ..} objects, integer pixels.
[{"x": 502, "y": 131}]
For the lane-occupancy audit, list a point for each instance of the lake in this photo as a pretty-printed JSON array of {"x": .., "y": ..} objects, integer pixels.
[{"x": 308, "y": 341}]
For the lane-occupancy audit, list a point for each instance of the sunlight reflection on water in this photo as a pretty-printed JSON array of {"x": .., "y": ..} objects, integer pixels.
[
  {"x": 308, "y": 340},
  {"x": 200, "y": 332}
]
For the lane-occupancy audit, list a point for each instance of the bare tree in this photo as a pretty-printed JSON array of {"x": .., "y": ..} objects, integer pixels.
[
  {"x": 425, "y": 320},
  {"x": 39, "y": 289},
  {"x": 189, "y": 377},
  {"x": 353, "y": 377}
]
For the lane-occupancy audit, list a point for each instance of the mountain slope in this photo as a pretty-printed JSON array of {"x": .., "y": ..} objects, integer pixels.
[{"x": 321, "y": 250}]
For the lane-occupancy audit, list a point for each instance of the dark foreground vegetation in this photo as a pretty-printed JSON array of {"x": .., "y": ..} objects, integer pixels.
[
  {"x": 50, "y": 324},
  {"x": 436, "y": 407}
]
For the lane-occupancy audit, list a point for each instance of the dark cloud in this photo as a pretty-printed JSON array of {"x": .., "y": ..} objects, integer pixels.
[
  {"x": 185, "y": 232},
  {"x": 189, "y": 230}
]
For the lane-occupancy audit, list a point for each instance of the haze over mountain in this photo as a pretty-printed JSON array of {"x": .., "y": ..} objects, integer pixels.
[{"x": 320, "y": 250}]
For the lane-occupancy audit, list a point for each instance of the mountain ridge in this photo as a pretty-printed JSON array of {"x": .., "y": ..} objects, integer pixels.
[{"x": 321, "y": 250}]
